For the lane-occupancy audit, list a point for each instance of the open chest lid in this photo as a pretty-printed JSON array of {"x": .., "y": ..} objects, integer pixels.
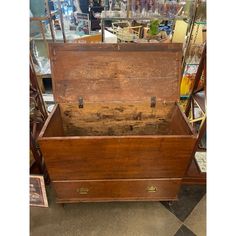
[{"x": 115, "y": 72}]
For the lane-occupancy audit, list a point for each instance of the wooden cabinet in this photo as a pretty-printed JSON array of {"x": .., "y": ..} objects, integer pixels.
[{"x": 117, "y": 132}]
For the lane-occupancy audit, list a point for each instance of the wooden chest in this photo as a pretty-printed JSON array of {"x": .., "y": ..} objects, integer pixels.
[{"x": 116, "y": 132}]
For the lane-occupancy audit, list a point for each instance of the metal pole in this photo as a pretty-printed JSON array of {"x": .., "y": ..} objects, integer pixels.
[
  {"x": 62, "y": 22},
  {"x": 50, "y": 20}
]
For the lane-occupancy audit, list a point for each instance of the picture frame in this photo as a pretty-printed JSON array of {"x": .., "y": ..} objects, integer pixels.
[
  {"x": 38, "y": 196},
  {"x": 83, "y": 24}
]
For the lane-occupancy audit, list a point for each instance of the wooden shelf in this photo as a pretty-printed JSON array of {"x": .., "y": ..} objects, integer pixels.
[
  {"x": 39, "y": 18},
  {"x": 46, "y": 17},
  {"x": 144, "y": 18},
  {"x": 200, "y": 100},
  {"x": 194, "y": 175}
]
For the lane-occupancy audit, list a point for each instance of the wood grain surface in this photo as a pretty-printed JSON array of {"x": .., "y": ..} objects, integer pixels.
[
  {"x": 53, "y": 125},
  {"x": 116, "y": 119},
  {"x": 117, "y": 157},
  {"x": 117, "y": 146},
  {"x": 111, "y": 190},
  {"x": 114, "y": 72}
]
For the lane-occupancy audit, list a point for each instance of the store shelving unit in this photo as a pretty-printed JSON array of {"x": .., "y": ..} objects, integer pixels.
[
  {"x": 197, "y": 101},
  {"x": 42, "y": 38},
  {"x": 38, "y": 115},
  {"x": 38, "y": 112},
  {"x": 196, "y": 23},
  {"x": 49, "y": 17},
  {"x": 106, "y": 16}
]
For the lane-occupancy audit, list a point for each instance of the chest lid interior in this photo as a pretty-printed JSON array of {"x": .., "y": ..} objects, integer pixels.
[{"x": 115, "y": 72}]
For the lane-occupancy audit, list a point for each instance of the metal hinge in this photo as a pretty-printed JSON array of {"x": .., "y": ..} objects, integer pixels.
[
  {"x": 153, "y": 101},
  {"x": 81, "y": 102}
]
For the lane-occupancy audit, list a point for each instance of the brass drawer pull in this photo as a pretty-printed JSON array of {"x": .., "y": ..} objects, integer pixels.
[
  {"x": 82, "y": 190},
  {"x": 152, "y": 189}
]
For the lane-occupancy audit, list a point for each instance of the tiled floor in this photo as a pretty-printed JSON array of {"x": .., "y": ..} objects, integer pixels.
[{"x": 185, "y": 217}]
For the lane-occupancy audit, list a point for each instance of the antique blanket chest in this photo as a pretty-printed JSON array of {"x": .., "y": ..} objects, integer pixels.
[{"x": 116, "y": 132}]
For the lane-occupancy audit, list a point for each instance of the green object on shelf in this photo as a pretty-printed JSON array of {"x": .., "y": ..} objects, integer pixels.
[{"x": 154, "y": 27}]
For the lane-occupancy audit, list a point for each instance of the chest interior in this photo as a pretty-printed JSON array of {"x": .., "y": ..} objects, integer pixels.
[
  {"x": 116, "y": 119},
  {"x": 125, "y": 90}
]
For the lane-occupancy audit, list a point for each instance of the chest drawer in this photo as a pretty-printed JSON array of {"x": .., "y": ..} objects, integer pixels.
[{"x": 117, "y": 190}]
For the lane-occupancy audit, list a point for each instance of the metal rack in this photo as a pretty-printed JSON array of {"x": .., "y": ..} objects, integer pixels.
[{"x": 38, "y": 116}]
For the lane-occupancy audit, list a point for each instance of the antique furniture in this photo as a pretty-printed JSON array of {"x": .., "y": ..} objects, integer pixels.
[
  {"x": 38, "y": 116},
  {"x": 197, "y": 102},
  {"x": 117, "y": 132}
]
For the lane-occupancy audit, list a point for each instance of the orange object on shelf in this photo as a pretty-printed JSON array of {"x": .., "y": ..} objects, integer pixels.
[{"x": 186, "y": 84}]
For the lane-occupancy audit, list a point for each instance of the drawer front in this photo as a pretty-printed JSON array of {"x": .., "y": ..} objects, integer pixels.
[{"x": 117, "y": 190}]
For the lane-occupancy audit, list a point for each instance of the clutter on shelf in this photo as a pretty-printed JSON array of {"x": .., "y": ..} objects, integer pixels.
[{"x": 146, "y": 8}]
